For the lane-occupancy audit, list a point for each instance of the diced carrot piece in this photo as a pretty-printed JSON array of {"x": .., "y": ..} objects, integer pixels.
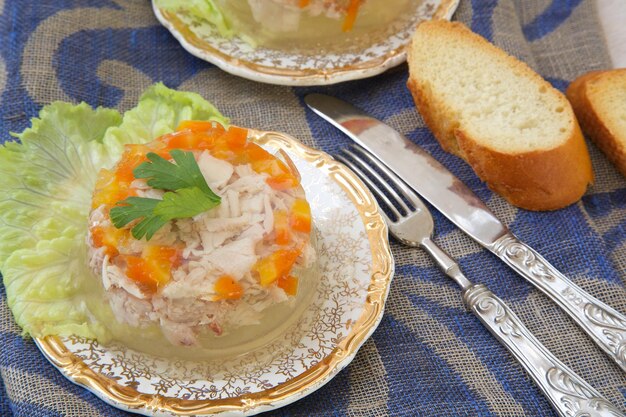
[
  {"x": 153, "y": 268},
  {"x": 227, "y": 288},
  {"x": 188, "y": 140},
  {"x": 239, "y": 157},
  {"x": 195, "y": 135},
  {"x": 304, "y": 3},
  {"x": 281, "y": 228},
  {"x": 181, "y": 140},
  {"x": 351, "y": 13},
  {"x": 300, "y": 219},
  {"x": 159, "y": 271},
  {"x": 134, "y": 266},
  {"x": 256, "y": 153},
  {"x": 201, "y": 126},
  {"x": 125, "y": 173},
  {"x": 236, "y": 138},
  {"x": 137, "y": 270},
  {"x": 131, "y": 158},
  {"x": 280, "y": 176},
  {"x": 262, "y": 161},
  {"x": 289, "y": 284},
  {"x": 232, "y": 146},
  {"x": 221, "y": 150},
  {"x": 282, "y": 182},
  {"x": 285, "y": 259}
]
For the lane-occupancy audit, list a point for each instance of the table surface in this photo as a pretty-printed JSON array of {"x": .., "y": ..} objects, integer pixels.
[{"x": 428, "y": 356}]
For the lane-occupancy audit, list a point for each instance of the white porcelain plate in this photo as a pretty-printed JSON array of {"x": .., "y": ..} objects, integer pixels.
[
  {"x": 355, "y": 271},
  {"x": 309, "y": 67}
]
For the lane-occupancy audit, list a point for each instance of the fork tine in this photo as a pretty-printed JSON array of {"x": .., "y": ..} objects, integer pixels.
[
  {"x": 407, "y": 192},
  {"x": 372, "y": 186},
  {"x": 390, "y": 191}
]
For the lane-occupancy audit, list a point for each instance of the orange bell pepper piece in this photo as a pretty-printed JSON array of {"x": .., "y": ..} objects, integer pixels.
[
  {"x": 300, "y": 219},
  {"x": 281, "y": 228},
  {"x": 110, "y": 238},
  {"x": 275, "y": 265}
]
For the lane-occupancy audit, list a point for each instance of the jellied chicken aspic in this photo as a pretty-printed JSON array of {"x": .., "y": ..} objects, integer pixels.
[
  {"x": 285, "y": 15},
  {"x": 211, "y": 271}
]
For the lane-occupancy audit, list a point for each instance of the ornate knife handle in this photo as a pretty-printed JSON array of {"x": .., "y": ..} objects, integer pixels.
[
  {"x": 602, "y": 323},
  {"x": 569, "y": 394}
]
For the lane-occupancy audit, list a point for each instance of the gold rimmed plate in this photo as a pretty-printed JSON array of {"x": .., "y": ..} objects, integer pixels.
[
  {"x": 308, "y": 66},
  {"x": 355, "y": 268}
]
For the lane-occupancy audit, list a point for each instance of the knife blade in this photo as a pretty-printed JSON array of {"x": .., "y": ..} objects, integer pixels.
[
  {"x": 415, "y": 166},
  {"x": 459, "y": 204}
]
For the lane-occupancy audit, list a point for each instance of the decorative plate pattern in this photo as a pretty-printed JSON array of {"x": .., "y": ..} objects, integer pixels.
[
  {"x": 303, "y": 68},
  {"x": 355, "y": 271}
]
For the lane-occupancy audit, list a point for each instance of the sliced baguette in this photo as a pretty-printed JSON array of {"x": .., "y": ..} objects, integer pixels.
[
  {"x": 599, "y": 101},
  {"x": 517, "y": 132}
]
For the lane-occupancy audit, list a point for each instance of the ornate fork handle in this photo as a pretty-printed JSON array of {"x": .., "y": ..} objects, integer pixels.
[
  {"x": 602, "y": 323},
  {"x": 569, "y": 394}
]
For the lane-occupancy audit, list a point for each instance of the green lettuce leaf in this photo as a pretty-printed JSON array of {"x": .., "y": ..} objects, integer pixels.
[
  {"x": 45, "y": 192},
  {"x": 159, "y": 111},
  {"x": 203, "y": 10},
  {"x": 46, "y": 184}
]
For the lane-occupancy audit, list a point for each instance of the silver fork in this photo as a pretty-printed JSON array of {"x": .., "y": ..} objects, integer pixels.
[{"x": 413, "y": 225}]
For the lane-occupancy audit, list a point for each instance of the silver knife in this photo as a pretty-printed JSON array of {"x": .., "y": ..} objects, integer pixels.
[{"x": 457, "y": 202}]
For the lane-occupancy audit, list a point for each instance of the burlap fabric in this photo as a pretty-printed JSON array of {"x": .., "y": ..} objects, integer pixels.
[{"x": 428, "y": 357}]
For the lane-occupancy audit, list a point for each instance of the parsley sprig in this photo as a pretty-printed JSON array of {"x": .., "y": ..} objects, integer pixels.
[{"x": 187, "y": 194}]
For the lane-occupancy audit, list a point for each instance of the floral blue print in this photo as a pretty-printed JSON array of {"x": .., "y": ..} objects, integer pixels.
[{"x": 428, "y": 357}]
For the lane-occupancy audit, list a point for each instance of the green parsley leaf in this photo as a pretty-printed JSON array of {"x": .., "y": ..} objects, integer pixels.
[
  {"x": 148, "y": 227},
  {"x": 134, "y": 208},
  {"x": 184, "y": 203},
  {"x": 165, "y": 175},
  {"x": 187, "y": 194},
  {"x": 131, "y": 209}
]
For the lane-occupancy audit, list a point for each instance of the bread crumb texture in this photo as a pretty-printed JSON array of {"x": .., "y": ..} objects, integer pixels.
[
  {"x": 517, "y": 132},
  {"x": 497, "y": 99}
]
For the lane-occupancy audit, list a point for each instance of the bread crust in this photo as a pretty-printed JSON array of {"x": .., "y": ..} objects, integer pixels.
[
  {"x": 535, "y": 180},
  {"x": 592, "y": 121}
]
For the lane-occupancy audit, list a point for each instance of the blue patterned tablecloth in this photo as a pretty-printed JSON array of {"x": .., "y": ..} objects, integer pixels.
[{"x": 428, "y": 357}]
